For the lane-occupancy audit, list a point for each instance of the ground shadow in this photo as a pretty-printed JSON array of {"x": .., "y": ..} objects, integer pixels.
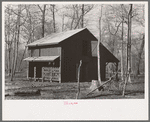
[{"x": 112, "y": 93}]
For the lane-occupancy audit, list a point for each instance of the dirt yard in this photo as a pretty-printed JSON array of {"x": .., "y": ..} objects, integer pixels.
[{"x": 55, "y": 90}]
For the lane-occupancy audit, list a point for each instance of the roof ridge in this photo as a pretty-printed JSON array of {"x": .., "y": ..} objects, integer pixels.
[{"x": 53, "y": 35}]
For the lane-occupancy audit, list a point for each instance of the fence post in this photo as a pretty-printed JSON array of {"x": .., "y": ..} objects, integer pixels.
[{"x": 42, "y": 74}]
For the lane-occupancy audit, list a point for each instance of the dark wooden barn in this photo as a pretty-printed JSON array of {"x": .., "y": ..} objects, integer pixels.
[{"x": 56, "y": 57}]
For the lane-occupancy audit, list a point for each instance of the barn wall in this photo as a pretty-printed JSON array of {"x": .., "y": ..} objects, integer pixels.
[
  {"x": 93, "y": 69},
  {"x": 68, "y": 62},
  {"x": 72, "y": 53}
]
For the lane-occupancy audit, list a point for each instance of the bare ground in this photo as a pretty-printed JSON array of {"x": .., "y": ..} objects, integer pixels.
[{"x": 55, "y": 90}]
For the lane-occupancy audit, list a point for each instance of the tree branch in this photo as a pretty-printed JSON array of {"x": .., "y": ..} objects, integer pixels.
[
  {"x": 40, "y": 8},
  {"x": 116, "y": 30},
  {"x": 110, "y": 79}
]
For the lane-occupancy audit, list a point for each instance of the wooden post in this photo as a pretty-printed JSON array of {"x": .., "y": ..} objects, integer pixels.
[
  {"x": 59, "y": 75},
  {"x": 42, "y": 74},
  {"x": 128, "y": 51},
  {"x": 117, "y": 71},
  {"x": 60, "y": 67},
  {"x": 51, "y": 73},
  {"x": 122, "y": 65},
  {"x": 79, "y": 79},
  {"x": 34, "y": 73},
  {"x": 27, "y": 70}
]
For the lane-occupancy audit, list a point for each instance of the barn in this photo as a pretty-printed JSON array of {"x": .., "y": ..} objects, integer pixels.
[{"x": 56, "y": 57}]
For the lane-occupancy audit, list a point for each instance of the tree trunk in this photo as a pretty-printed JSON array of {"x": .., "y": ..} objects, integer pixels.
[
  {"x": 82, "y": 22},
  {"x": 9, "y": 44},
  {"x": 63, "y": 18},
  {"x": 30, "y": 38},
  {"x": 139, "y": 57},
  {"x": 128, "y": 73},
  {"x": 9, "y": 54},
  {"x": 98, "y": 50},
  {"x": 129, "y": 43},
  {"x": 9, "y": 63},
  {"x": 15, "y": 67},
  {"x": 43, "y": 20},
  {"x": 53, "y": 11},
  {"x": 79, "y": 79},
  {"x": 122, "y": 69},
  {"x": 14, "y": 55},
  {"x": 17, "y": 40}
]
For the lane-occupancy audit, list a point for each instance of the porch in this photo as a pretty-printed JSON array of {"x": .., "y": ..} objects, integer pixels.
[{"x": 45, "y": 68}]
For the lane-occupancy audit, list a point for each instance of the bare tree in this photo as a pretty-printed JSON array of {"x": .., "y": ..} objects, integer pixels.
[
  {"x": 98, "y": 47},
  {"x": 128, "y": 50},
  {"x": 8, "y": 40},
  {"x": 122, "y": 68},
  {"x": 139, "y": 57},
  {"x": 82, "y": 22},
  {"x": 78, "y": 84},
  {"x": 85, "y": 9},
  {"x": 76, "y": 15},
  {"x": 30, "y": 32},
  {"x": 16, "y": 41},
  {"x": 43, "y": 17},
  {"x": 53, "y": 13},
  {"x": 16, "y": 36},
  {"x": 113, "y": 25},
  {"x": 140, "y": 20}
]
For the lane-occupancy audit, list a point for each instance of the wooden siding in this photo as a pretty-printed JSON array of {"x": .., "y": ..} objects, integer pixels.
[
  {"x": 72, "y": 53},
  {"x": 93, "y": 69},
  {"x": 70, "y": 58}
]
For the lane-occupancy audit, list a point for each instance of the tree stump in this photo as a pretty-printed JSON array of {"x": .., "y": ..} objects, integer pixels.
[{"x": 94, "y": 85}]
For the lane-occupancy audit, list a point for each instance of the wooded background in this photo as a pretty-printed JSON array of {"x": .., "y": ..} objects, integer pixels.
[{"x": 26, "y": 23}]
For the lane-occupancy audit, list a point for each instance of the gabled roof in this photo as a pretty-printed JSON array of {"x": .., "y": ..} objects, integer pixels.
[
  {"x": 104, "y": 52},
  {"x": 55, "y": 38}
]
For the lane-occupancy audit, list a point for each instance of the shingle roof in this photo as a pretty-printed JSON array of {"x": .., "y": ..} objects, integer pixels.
[{"x": 55, "y": 38}]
